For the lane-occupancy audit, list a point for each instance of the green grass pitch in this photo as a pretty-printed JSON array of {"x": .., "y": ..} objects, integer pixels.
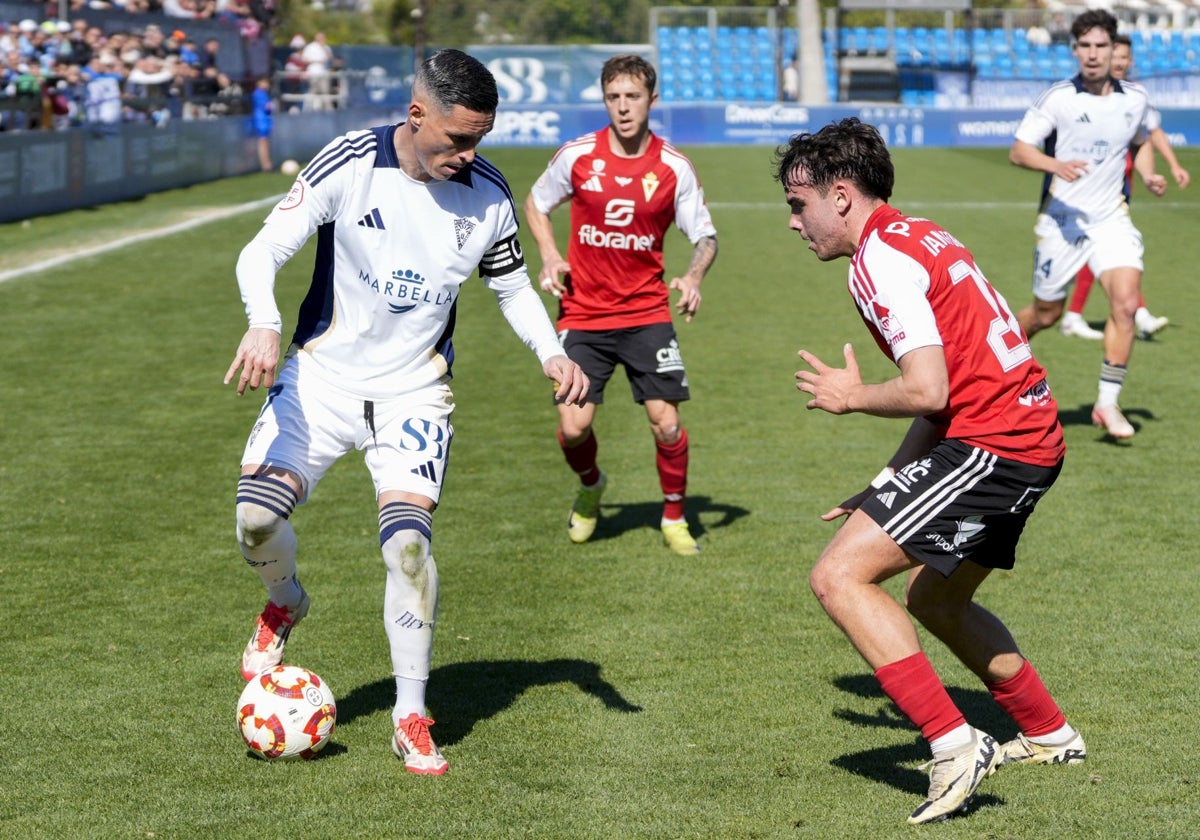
[{"x": 610, "y": 690}]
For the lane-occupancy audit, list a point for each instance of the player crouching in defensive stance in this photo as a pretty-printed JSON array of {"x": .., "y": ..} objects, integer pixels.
[
  {"x": 404, "y": 214},
  {"x": 985, "y": 444}
]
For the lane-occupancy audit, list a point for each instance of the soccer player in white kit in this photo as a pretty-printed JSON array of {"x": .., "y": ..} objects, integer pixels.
[
  {"x": 1087, "y": 124},
  {"x": 404, "y": 215}
]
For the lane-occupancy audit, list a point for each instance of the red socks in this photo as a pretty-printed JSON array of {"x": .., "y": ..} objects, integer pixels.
[
  {"x": 1083, "y": 284},
  {"x": 672, "y": 463},
  {"x": 1026, "y": 700},
  {"x": 582, "y": 458},
  {"x": 914, "y": 687}
]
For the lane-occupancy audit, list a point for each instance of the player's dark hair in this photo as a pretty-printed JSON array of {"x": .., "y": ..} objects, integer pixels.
[
  {"x": 1092, "y": 19},
  {"x": 629, "y": 65},
  {"x": 850, "y": 150},
  {"x": 1123, "y": 39},
  {"x": 451, "y": 77}
]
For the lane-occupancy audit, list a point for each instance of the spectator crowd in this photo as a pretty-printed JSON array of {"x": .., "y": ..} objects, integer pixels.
[{"x": 60, "y": 74}]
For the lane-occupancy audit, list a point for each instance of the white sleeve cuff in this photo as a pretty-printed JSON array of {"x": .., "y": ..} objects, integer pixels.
[{"x": 885, "y": 475}]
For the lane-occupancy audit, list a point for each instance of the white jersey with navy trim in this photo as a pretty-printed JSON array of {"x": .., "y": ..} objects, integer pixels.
[
  {"x": 392, "y": 254},
  {"x": 1074, "y": 124}
]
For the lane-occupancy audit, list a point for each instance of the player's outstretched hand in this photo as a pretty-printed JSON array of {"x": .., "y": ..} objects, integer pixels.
[
  {"x": 550, "y": 277},
  {"x": 258, "y": 357},
  {"x": 1157, "y": 184},
  {"x": 847, "y": 507},
  {"x": 689, "y": 296},
  {"x": 1071, "y": 170},
  {"x": 572, "y": 383},
  {"x": 1182, "y": 176},
  {"x": 830, "y": 387}
]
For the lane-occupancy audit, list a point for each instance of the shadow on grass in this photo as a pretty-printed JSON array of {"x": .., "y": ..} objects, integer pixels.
[
  {"x": 891, "y": 765},
  {"x": 462, "y": 694},
  {"x": 1082, "y": 416},
  {"x": 618, "y": 518}
]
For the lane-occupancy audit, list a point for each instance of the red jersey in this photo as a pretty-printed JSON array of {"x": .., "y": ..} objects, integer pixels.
[
  {"x": 621, "y": 208},
  {"x": 915, "y": 285}
]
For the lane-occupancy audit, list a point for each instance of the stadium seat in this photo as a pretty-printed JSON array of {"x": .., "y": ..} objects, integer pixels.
[
  {"x": 856, "y": 39},
  {"x": 879, "y": 40},
  {"x": 988, "y": 71}
]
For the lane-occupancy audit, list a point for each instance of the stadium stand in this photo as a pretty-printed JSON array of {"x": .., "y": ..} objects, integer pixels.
[{"x": 707, "y": 62}]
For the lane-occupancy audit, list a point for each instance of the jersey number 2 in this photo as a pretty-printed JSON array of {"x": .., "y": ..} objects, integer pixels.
[{"x": 1004, "y": 333}]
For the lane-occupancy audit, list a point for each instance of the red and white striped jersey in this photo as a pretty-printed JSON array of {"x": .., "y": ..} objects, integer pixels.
[
  {"x": 915, "y": 285},
  {"x": 621, "y": 209}
]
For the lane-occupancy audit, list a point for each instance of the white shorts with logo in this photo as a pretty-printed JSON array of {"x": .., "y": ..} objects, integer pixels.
[
  {"x": 1063, "y": 249},
  {"x": 306, "y": 424}
]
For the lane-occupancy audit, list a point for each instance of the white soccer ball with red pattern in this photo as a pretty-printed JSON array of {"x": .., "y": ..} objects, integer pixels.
[{"x": 286, "y": 712}]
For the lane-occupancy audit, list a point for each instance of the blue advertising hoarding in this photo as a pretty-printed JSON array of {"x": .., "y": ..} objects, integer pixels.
[{"x": 772, "y": 123}]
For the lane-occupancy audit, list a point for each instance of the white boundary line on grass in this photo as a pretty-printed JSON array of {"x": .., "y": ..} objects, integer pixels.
[{"x": 133, "y": 239}]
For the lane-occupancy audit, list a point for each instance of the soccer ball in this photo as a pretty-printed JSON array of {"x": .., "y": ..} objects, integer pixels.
[
  {"x": 289, "y": 168},
  {"x": 286, "y": 712}
]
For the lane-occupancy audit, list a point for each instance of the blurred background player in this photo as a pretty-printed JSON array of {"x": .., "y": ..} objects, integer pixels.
[
  {"x": 1089, "y": 123},
  {"x": 983, "y": 447},
  {"x": 625, "y": 186},
  {"x": 406, "y": 214},
  {"x": 1073, "y": 322},
  {"x": 261, "y": 121}
]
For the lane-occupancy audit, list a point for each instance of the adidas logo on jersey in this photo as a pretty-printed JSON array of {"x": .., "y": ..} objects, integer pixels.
[
  {"x": 427, "y": 470},
  {"x": 1083, "y": 118},
  {"x": 592, "y": 184},
  {"x": 372, "y": 220}
]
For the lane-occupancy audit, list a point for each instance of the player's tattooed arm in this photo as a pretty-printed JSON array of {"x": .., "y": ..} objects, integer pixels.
[{"x": 703, "y": 255}]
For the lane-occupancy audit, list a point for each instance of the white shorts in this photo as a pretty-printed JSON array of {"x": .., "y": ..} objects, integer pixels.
[
  {"x": 306, "y": 424},
  {"x": 1062, "y": 250}
]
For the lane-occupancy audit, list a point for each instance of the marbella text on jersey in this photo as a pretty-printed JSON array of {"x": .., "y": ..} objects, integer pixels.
[{"x": 407, "y": 285}]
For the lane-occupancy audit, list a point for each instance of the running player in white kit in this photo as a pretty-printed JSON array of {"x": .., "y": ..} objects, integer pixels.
[{"x": 1086, "y": 125}]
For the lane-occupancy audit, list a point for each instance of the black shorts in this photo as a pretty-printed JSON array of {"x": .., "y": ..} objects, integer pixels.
[
  {"x": 650, "y": 355},
  {"x": 960, "y": 503}
]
